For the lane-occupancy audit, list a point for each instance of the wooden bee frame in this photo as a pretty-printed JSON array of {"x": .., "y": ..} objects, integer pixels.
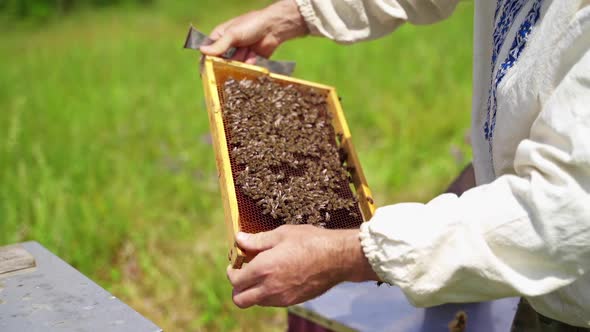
[{"x": 214, "y": 73}]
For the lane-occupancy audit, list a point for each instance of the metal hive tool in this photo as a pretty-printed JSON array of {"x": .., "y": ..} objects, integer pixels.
[{"x": 241, "y": 212}]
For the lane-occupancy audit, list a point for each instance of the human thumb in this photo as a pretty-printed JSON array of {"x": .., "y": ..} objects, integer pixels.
[
  {"x": 257, "y": 242},
  {"x": 219, "y": 46}
]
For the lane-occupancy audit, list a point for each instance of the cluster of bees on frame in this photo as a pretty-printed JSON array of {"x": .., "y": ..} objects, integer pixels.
[{"x": 282, "y": 139}]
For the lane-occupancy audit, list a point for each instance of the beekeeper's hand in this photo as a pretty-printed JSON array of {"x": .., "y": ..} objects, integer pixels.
[
  {"x": 296, "y": 263},
  {"x": 258, "y": 32}
]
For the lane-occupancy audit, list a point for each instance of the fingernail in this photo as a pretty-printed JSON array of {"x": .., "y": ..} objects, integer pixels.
[{"x": 242, "y": 236}]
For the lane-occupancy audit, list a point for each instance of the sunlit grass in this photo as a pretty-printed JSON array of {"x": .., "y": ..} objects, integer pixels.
[{"x": 105, "y": 159}]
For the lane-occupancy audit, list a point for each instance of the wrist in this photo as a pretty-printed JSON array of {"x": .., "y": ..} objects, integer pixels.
[
  {"x": 356, "y": 266},
  {"x": 286, "y": 22}
]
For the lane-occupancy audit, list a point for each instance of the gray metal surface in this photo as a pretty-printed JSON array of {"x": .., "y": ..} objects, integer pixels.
[
  {"x": 367, "y": 307},
  {"x": 56, "y": 297}
]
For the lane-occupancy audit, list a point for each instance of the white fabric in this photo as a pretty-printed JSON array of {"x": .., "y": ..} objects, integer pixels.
[{"x": 525, "y": 230}]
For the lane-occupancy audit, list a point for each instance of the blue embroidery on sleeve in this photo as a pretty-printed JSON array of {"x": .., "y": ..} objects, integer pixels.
[{"x": 507, "y": 11}]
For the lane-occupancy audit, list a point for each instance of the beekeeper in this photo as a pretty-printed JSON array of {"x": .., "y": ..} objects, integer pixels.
[{"x": 523, "y": 229}]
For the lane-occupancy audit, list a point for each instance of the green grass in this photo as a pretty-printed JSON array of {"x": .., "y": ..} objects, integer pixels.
[{"x": 105, "y": 160}]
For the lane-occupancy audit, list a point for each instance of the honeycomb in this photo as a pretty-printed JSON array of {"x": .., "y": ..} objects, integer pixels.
[{"x": 254, "y": 217}]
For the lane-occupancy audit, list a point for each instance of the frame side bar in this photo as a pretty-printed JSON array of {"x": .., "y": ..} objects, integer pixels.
[
  {"x": 230, "y": 204},
  {"x": 366, "y": 202}
]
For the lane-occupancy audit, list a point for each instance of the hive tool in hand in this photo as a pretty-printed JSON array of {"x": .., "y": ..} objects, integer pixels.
[{"x": 195, "y": 39}]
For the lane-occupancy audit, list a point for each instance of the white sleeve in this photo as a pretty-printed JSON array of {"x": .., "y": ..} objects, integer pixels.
[
  {"x": 523, "y": 234},
  {"x": 348, "y": 21}
]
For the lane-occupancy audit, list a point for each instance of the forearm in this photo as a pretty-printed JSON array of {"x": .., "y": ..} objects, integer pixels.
[
  {"x": 356, "y": 20},
  {"x": 295, "y": 263},
  {"x": 360, "y": 269},
  {"x": 285, "y": 20},
  {"x": 355, "y": 265},
  {"x": 525, "y": 233}
]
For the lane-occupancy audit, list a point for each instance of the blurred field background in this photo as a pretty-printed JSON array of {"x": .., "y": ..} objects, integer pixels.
[{"x": 105, "y": 156}]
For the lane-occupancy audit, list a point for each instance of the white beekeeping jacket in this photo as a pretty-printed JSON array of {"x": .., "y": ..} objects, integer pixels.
[{"x": 525, "y": 230}]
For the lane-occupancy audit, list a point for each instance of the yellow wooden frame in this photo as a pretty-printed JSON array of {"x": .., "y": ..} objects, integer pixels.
[{"x": 217, "y": 69}]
